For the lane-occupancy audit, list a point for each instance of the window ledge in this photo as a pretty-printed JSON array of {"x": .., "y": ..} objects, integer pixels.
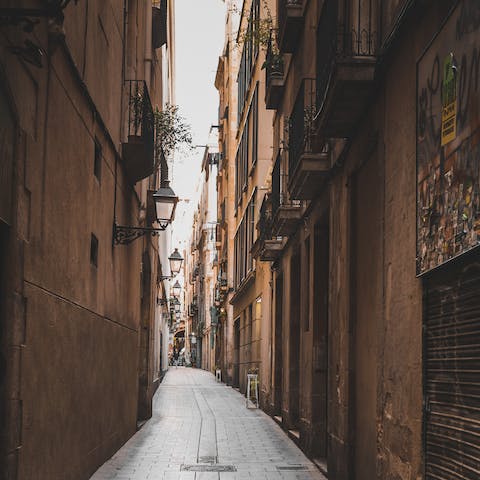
[{"x": 243, "y": 287}]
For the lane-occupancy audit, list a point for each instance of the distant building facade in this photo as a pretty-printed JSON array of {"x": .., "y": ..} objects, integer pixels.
[
  {"x": 81, "y": 331},
  {"x": 244, "y": 179},
  {"x": 202, "y": 260}
]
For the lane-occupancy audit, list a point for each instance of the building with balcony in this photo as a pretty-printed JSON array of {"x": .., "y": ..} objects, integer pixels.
[
  {"x": 244, "y": 179},
  {"x": 371, "y": 302},
  {"x": 203, "y": 325},
  {"x": 225, "y": 82},
  {"x": 81, "y": 343}
]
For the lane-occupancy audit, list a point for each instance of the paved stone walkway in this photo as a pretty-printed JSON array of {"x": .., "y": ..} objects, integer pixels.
[{"x": 201, "y": 430}]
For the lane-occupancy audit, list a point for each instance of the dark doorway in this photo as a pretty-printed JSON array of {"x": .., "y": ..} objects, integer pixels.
[
  {"x": 278, "y": 353},
  {"x": 320, "y": 340},
  {"x": 294, "y": 341},
  {"x": 366, "y": 310},
  {"x": 236, "y": 353}
]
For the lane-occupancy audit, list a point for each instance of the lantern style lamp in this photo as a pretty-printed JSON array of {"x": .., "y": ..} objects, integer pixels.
[
  {"x": 165, "y": 204},
  {"x": 177, "y": 288},
  {"x": 175, "y": 260}
]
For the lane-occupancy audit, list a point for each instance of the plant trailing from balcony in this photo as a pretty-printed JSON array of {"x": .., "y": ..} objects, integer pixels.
[
  {"x": 259, "y": 28},
  {"x": 137, "y": 102},
  {"x": 172, "y": 132},
  {"x": 274, "y": 63}
]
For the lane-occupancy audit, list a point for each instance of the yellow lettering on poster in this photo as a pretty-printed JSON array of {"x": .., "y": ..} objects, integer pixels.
[{"x": 449, "y": 101}]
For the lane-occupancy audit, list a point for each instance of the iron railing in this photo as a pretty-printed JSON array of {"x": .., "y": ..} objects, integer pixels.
[
  {"x": 279, "y": 195},
  {"x": 264, "y": 224},
  {"x": 140, "y": 117},
  {"x": 347, "y": 29},
  {"x": 273, "y": 62},
  {"x": 300, "y": 124}
]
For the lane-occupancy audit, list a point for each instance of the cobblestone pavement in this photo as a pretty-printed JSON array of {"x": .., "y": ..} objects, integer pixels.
[{"x": 199, "y": 428}]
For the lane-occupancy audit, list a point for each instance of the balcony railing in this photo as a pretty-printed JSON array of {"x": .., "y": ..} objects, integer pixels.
[
  {"x": 274, "y": 71},
  {"x": 267, "y": 248},
  {"x": 301, "y": 134},
  {"x": 140, "y": 112},
  {"x": 264, "y": 224},
  {"x": 346, "y": 56},
  {"x": 138, "y": 149},
  {"x": 308, "y": 157},
  {"x": 285, "y": 212}
]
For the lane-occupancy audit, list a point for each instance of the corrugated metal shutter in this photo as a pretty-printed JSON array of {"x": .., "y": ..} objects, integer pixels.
[{"x": 452, "y": 374}]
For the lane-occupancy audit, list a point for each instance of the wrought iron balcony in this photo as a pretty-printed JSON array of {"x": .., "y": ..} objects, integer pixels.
[
  {"x": 346, "y": 64},
  {"x": 309, "y": 164},
  {"x": 138, "y": 147},
  {"x": 290, "y": 24},
  {"x": 266, "y": 248},
  {"x": 274, "y": 76},
  {"x": 286, "y": 213}
]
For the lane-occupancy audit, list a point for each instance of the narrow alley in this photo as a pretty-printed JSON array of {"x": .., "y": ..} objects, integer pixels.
[
  {"x": 201, "y": 429},
  {"x": 283, "y": 195}
]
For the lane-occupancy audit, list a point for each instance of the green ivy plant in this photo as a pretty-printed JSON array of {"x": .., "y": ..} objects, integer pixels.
[
  {"x": 257, "y": 31},
  {"x": 262, "y": 33}
]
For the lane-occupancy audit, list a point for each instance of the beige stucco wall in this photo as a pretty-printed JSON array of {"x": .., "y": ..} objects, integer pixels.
[{"x": 70, "y": 330}]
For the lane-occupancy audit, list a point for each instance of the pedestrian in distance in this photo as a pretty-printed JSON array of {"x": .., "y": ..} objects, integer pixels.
[{"x": 175, "y": 357}]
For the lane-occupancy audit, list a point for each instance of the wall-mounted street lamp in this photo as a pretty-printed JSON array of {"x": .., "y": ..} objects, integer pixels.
[
  {"x": 176, "y": 305},
  {"x": 175, "y": 260},
  {"x": 165, "y": 204},
  {"x": 177, "y": 289}
]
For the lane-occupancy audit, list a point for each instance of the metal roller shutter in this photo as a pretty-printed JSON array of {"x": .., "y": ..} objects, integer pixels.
[{"x": 452, "y": 373}]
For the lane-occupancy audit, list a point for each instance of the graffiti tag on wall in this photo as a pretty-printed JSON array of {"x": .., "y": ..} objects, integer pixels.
[{"x": 448, "y": 160}]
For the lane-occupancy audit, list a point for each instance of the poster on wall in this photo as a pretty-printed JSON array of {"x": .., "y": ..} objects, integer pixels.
[{"x": 448, "y": 140}]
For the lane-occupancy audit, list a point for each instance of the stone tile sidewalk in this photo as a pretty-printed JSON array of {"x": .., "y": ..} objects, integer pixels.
[{"x": 201, "y": 430}]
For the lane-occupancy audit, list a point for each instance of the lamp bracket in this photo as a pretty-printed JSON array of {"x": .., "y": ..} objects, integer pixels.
[{"x": 124, "y": 235}]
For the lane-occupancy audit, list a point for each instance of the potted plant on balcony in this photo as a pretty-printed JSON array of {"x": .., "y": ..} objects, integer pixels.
[
  {"x": 274, "y": 64},
  {"x": 137, "y": 108}
]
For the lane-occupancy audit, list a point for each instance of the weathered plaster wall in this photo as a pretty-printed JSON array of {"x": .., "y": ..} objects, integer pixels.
[{"x": 69, "y": 331}]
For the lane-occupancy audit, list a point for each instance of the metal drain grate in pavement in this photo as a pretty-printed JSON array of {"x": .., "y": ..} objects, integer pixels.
[
  {"x": 292, "y": 468},
  {"x": 208, "y": 468}
]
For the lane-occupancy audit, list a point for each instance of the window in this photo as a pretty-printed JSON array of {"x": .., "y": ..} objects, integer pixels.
[
  {"x": 94, "y": 250},
  {"x": 244, "y": 240},
  {"x": 249, "y": 55},
  {"x": 253, "y": 116},
  {"x": 247, "y": 152},
  {"x": 241, "y": 167}
]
